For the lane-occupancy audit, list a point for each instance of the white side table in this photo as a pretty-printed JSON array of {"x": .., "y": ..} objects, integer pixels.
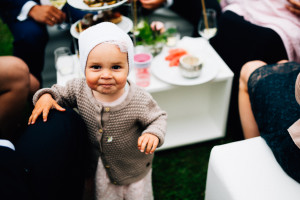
[{"x": 195, "y": 113}]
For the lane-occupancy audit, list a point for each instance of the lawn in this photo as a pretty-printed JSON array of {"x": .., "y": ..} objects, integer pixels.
[{"x": 178, "y": 173}]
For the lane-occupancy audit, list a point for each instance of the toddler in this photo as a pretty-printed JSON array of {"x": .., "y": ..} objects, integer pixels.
[{"x": 124, "y": 122}]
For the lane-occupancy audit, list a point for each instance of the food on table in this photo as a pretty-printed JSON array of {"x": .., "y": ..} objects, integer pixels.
[
  {"x": 110, "y": 2},
  {"x": 90, "y": 19},
  {"x": 94, "y": 3},
  {"x": 99, "y": 3},
  {"x": 174, "y": 56},
  {"x": 190, "y": 66}
]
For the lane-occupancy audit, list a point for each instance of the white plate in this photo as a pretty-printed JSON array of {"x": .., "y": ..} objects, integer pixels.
[
  {"x": 161, "y": 69},
  {"x": 79, "y": 4},
  {"x": 126, "y": 25}
]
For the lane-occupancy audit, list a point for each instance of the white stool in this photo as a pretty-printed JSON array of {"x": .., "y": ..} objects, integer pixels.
[{"x": 248, "y": 170}]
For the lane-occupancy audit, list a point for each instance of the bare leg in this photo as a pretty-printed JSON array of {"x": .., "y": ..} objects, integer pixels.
[
  {"x": 282, "y": 61},
  {"x": 14, "y": 90},
  {"x": 248, "y": 122}
]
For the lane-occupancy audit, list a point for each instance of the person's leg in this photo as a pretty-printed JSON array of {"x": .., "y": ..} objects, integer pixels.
[
  {"x": 30, "y": 40},
  {"x": 237, "y": 42},
  {"x": 248, "y": 122},
  {"x": 13, "y": 184},
  {"x": 53, "y": 153},
  {"x": 14, "y": 91}
]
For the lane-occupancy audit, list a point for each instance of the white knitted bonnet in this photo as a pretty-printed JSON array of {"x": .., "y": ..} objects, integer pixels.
[{"x": 105, "y": 32}]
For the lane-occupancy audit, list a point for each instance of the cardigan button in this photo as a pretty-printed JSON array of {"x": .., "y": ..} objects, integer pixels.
[
  {"x": 115, "y": 182},
  {"x": 109, "y": 139},
  {"x": 107, "y": 166},
  {"x": 100, "y": 130},
  {"x": 107, "y": 109}
]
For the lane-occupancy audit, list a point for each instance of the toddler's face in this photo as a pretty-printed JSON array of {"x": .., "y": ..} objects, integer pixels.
[{"x": 106, "y": 71}]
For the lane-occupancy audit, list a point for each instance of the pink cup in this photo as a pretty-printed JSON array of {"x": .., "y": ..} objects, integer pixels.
[{"x": 142, "y": 62}]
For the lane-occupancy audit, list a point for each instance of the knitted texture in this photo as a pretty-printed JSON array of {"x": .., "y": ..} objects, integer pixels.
[{"x": 114, "y": 131}]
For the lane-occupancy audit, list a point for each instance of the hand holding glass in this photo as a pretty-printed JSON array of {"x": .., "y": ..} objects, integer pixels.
[
  {"x": 207, "y": 27},
  {"x": 59, "y": 4}
]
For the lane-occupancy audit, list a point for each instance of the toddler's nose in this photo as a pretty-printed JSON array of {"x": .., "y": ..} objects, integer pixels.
[{"x": 106, "y": 74}]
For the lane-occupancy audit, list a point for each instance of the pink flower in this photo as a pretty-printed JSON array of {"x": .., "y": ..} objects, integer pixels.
[{"x": 158, "y": 26}]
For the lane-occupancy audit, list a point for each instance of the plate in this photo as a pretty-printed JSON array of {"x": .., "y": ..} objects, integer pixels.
[
  {"x": 79, "y": 4},
  {"x": 126, "y": 25},
  {"x": 161, "y": 69}
]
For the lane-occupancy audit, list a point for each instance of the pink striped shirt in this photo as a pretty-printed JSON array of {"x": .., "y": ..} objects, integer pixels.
[{"x": 271, "y": 14}]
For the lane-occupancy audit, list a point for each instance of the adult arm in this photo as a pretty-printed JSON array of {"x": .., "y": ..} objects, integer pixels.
[
  {"x": 10, "y": 9},
  {"x": 46, "y": 14}
]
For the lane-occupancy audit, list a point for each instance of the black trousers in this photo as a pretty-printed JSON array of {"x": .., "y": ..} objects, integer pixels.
[{"x": 50, "y": 160}]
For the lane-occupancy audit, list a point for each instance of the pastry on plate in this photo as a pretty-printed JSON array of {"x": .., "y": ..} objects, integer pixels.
[
  {"x": 99, "y": 3},
  {"x": 105, "y": 16},
  {"x": 94, "y": 3}
]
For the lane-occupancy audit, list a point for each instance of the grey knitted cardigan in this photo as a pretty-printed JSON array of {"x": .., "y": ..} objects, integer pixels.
[{"x": 118, "y": 128}]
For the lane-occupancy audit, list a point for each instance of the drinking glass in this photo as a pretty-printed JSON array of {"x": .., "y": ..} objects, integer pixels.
[
  {"x": 64, "y": 61},
  {"x": 59, "y": 4},
  {"x": 207, "y": 27},
  {"x": 173, "y": 35}
]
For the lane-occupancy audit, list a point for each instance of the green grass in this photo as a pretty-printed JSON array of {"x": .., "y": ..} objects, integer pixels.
[
  {"x": 179, "y": 173},
  {"x": 6, "y": 40}
]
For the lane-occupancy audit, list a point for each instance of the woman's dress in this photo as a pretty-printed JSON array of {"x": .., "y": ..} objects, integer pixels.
[{"x": 272, "y": 95}]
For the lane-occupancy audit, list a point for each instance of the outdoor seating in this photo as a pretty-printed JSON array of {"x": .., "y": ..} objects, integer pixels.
[{"x": 247, "y": 170}]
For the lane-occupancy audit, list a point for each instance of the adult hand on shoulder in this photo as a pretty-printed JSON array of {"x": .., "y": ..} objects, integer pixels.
[
  {"x": 294, "y": 7},
  {"x": 149, "y": 140},
  {"x": 152, "y": 4},
  {"x": 47, "y": 14},
  {"x": 43, "y": 105}
]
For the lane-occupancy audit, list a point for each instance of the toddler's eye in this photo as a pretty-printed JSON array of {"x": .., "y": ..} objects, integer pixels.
[
  {"x": 96, "y": 67},
  {"x": 116, "y": 67}
]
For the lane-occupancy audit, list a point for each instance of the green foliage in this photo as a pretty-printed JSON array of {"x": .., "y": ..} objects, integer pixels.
[
  {"x": 145, "y": 35},
  {"x": 6, "y": 40}
]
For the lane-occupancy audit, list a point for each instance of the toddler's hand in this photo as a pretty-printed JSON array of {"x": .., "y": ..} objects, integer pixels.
[
  {"x": 149, "y": 140},
  {"x": 43, "y": 105}
]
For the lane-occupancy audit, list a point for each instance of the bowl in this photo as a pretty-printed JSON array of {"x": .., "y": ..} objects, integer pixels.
[{"x": 190, "y": 66}]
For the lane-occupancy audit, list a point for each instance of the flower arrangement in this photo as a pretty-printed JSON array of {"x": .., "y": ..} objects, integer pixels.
[
  {"x": 149, "y": 34},
  {"x": 154, "y": 35}
]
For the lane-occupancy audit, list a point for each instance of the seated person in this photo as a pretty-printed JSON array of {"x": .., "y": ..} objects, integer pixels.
[
  {"x": 268, "y": 108},
  {"x": 247, "y": 33},
  {"x": 42, "y": 161},
  {"x": 27, "y": 22},
  {"x": 17, "y": 85}
]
